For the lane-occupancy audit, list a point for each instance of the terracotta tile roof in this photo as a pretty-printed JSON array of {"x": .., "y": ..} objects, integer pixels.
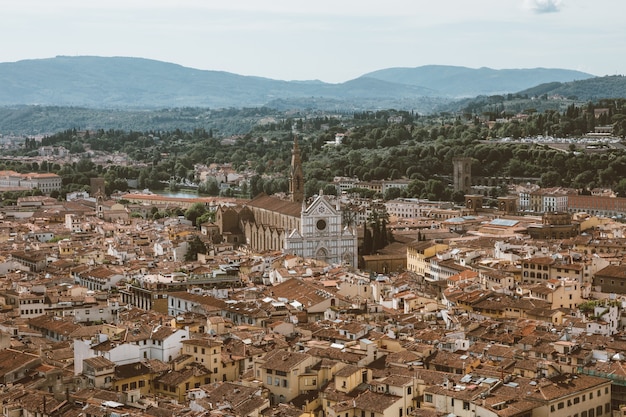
[
  {"x": 162, "y": 332},
  {"x": 564, "y": 385},
  {"x": 374, "y": 402},
  {"x": 465, "y": 395},
  {"x": 332, "y": 394},
  {"x": 529, "y": 364},
  {"x": 130, "y": 370},
  {"x": 174, "y": 378},
  {"x": 283, "y": 410},
  {"x": 347, "y": 370},
  {"x": 99, "y": 362},
  {"x": 403, "y": 356},
  {"x": 499, "y": 351},
  {"x": 102, "y": 272},
  {"x": 95, "y": 396},
  {"x": 92, "y": 410},
  {"x": 266, "y": 202},
  {"x": 14, "y": 359},
  {"x": 304, "y": 292},
  {"x": 421, "y": 246},
  {"x": 137, "y": 333},
  {"x": 448, "y": 359},
  {"x": 324, "y": 363},
  {"x": 58, "y": 325},
  {"x": 87, "y": 331},
  {"x": 397, "y": 380},
  {"x": 242, "y": 399},
  {"x": 204, "y": 300},
  {"x": 541, "y": 260},
  {"x": 282, "y": 360},
  {"x": 156, "y": 365},
  {"x": 335, "y": 354},
  {"x": 33, "y": 401},
  {"x": 203, "y": 342},
  {"x": 614, "y": 271},
  {"x": 60, "y": 355}
]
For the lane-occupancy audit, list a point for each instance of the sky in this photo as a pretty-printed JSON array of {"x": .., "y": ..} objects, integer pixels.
[{"x": 332, "y": 41}]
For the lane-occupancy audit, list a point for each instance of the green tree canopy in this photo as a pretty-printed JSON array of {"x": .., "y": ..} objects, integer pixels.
[
  {"x": 195, "y": 211},
  {"x": 195, "y": 246}
]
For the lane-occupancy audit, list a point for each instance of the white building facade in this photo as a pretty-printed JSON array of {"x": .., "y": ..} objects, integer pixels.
[{"x": 321, "y": 235}]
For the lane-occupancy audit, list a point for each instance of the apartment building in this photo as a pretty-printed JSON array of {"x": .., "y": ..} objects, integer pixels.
[
  {"x": 208, "y": 352},
  {"x": 419, "y": 254},
  {"x": 279, "y": 371}
]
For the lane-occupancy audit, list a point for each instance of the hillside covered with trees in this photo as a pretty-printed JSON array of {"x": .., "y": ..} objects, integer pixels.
[{"x": 380, "y": 145}]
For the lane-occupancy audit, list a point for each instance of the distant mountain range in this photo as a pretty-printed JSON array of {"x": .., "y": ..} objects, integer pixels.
[
  {"x": 124, "y": 83},
  {"x": 458, "y": 82}
]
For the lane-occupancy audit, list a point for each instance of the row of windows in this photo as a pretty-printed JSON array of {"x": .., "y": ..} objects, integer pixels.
[
  {"x": 201, "y": 359},
  {"x": 239, "y": 319},
  {"x": 195, "y": 350},
  {"x": 32, "y": 311},
  {"x": 278, "y": 382},
  {"x": 589, "y": 413},
  {"x": 539, "y": 267},
  {"x": 31, "y": 302},
  {"x": 577, "y": 400},
  {"x": 172, "y": 388},
  {"x": 280, "y": 373},
  {"x": 145, "y": 342},
  {"x": 621, "y": 283},
  {"x": 134, "y": 385},
  {"x": 595, "y": 412},
  {"x": 532, "y": 275}
]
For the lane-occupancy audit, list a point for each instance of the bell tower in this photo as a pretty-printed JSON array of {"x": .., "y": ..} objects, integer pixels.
[
  {"x": 462, "y": 174},
  {"x": 296, "y": 178},
  {"x": 97, "y": 191}
]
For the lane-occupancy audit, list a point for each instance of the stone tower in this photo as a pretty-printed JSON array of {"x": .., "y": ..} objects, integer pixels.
[
  {"x": 462, "y": 174},
  {"x": 507, "y": 205},
  {"x": 98, "y": 192},
  {"x": 296, "y": 178}
]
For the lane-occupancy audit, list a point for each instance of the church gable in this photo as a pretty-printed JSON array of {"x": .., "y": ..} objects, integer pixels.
[
  {"x": 227, "y": 219},
  {"x": 321, "y": 206},
  {"x": 348, "y": 232},
  {"x": 295, "y": 234},
  {"x": 320, "y": 219}
]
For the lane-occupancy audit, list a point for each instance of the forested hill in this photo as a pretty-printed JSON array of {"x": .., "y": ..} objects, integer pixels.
[
  {"x": 613, "y": 86},
  {"x": 135, "y": 83},
  {"x": 549, "y": 96}
]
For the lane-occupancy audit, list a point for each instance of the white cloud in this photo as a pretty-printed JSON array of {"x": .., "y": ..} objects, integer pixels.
[{"x": 543, "y": 6}]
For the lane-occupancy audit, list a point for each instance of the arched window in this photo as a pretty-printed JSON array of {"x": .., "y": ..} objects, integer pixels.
[{"x": 321, "y": 254}]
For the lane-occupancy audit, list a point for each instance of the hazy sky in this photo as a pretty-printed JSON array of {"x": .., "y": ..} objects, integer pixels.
[{"x": 333, "y": 41}]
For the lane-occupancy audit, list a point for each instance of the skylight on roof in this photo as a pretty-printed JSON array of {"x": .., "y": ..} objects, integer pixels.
[{"x": 503, "y": 222}]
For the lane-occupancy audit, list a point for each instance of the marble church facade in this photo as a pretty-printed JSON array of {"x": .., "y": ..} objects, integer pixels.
[
  {"x": 322, "y": 236},
  {"x": 268, "y": 223}
]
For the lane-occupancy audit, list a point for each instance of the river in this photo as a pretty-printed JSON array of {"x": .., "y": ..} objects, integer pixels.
[{"x": 179, "y": 194}]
